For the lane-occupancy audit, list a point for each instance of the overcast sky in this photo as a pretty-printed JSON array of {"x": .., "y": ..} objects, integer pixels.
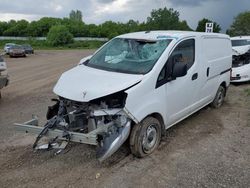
[{"x": 98, "y": 11}]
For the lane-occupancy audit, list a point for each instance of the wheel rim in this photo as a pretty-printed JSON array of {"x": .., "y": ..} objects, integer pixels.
[
  {"x": 220, "y": 98},
  {"x": 149, "y": 139}
]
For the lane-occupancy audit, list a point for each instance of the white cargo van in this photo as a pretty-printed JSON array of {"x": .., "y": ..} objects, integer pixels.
[
  {"x": 241, "y": 59},
  {"x": 136, "y": 86}
]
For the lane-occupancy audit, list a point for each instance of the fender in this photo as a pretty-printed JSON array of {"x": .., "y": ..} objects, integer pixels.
[{"x": 147, "y": 104}]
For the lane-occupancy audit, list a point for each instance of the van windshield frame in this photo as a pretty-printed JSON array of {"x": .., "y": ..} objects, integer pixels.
[{"x": 132, "y": 56}]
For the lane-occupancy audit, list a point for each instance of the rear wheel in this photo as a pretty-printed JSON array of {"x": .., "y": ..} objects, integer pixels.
[
  {"x": 145, "y": 137},
  {"x": 219, "y": 97}
]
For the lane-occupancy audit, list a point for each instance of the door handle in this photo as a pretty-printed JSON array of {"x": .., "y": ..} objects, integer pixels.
[
  {"x": 208, "y": 71},
  {"x": 195, "y": 76}
]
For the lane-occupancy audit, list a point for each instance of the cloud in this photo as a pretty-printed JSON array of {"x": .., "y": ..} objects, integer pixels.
[
  {"x": 188, "y": 3},
  {"x": 222, "y": 11},
  {"x": 98, "y": 11},
  {"x": 9, "y": 16}
]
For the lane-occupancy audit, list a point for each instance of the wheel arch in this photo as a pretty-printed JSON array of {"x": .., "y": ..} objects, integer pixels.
[
  {"x": 157, "y": 116},
  {"x": 224, "y": 85}
]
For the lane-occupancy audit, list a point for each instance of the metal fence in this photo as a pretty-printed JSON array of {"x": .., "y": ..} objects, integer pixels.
[{"x": 44, "y": 38}]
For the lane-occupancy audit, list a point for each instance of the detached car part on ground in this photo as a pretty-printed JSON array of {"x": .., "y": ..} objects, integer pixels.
[
  {"x": 136, "y": 86},
  {"x": 4, "y": 78},
  {"x": 241, "y": 59}
]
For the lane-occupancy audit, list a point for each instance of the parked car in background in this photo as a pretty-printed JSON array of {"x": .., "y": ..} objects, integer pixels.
[
  {"x": 7, "y": 47},
  {"x": 241, "y": 59},
  {"x": 17, "y": 51},
  {"x": 28, "y": 49},
  {"x": 4, "y": 78}
]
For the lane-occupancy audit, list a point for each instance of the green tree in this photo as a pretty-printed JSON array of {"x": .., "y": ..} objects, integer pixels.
[
  {"x": 59, "y": 35},
  {"x": 76, "y": 15},
  {"x": 33, "y": 30},
  {"x": 10, "y": 30},
  {"x": 184, "y": 26},
  {"x": 93, "y": 30},
  {"x": 241, "y": 25},
  {"x": 21, "y": 28},
  {"x": 202, "y": 26},
  {"x": 77, "y": 28},
  {"x": 132, "y": 26},
  {"x": 44, "y": 24},
  {"x": 3, "y": 27},
  {"x": 109, "y": 29},
  {"x": 165, "y": 19}
]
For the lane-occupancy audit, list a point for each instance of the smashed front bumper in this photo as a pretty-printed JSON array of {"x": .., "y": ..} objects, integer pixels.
[
  {"x": 33, "y": 128},
  {"x": 109, "y": 146}
]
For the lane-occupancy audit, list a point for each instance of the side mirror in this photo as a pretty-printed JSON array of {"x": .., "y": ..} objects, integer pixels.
[{"x": 179, "y": 70}]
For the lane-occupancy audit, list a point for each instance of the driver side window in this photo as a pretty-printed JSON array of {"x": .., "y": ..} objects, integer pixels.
[{"x": 184, "y": 52}]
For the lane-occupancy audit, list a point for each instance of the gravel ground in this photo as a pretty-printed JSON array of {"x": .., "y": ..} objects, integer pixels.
[{"x": 209, "y": 149}]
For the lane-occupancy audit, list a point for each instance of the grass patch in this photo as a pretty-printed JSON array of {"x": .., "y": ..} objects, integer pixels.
[{"x": 43, "y": 45}]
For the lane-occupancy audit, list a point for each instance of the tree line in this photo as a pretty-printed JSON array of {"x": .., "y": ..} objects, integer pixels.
[{"x": 160, "y": 19}]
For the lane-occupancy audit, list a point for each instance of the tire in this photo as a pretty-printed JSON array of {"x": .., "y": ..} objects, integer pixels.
[
  {"x": 219, "y": 97},
  {"x": 145, "y": 137}
]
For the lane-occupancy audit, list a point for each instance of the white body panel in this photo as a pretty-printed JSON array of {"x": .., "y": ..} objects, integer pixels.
[
  {"x": 243, "y": 72},
  {"x": 239, "y": 50},
  {"x": 174, "y": 100},
  {"x": 181, "y": 97},
  {"x": 83, "y": 83}
]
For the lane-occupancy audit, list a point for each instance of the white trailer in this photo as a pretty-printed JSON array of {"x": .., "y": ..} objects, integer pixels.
[{"x": 136, "y": 86}]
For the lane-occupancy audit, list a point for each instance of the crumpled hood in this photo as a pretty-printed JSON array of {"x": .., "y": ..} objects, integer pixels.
[
  {"x": 83, "y": 83},
  {"x": 240, "y": 50}
]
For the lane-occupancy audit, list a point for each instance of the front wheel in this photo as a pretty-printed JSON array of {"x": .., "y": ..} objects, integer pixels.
[
  {"x": 145, "y": 137},
  {"x": 219, "y": 97}
]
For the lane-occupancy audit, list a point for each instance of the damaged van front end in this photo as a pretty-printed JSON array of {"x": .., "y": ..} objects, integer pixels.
[
  {"x": 241, "y": 59},
  {"x": 99, "y": 118},
  {"x": 95, "y": 104},
  {"x": 102, "y": 122}
]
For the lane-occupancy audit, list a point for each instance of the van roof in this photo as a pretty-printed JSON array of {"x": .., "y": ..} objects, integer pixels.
[
  {"x": 154, "y": 35},
  {"x": 240, "y": 37}
]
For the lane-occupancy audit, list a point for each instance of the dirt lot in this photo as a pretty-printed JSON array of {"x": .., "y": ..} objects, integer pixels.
[{"x": 209, "y": 149}]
